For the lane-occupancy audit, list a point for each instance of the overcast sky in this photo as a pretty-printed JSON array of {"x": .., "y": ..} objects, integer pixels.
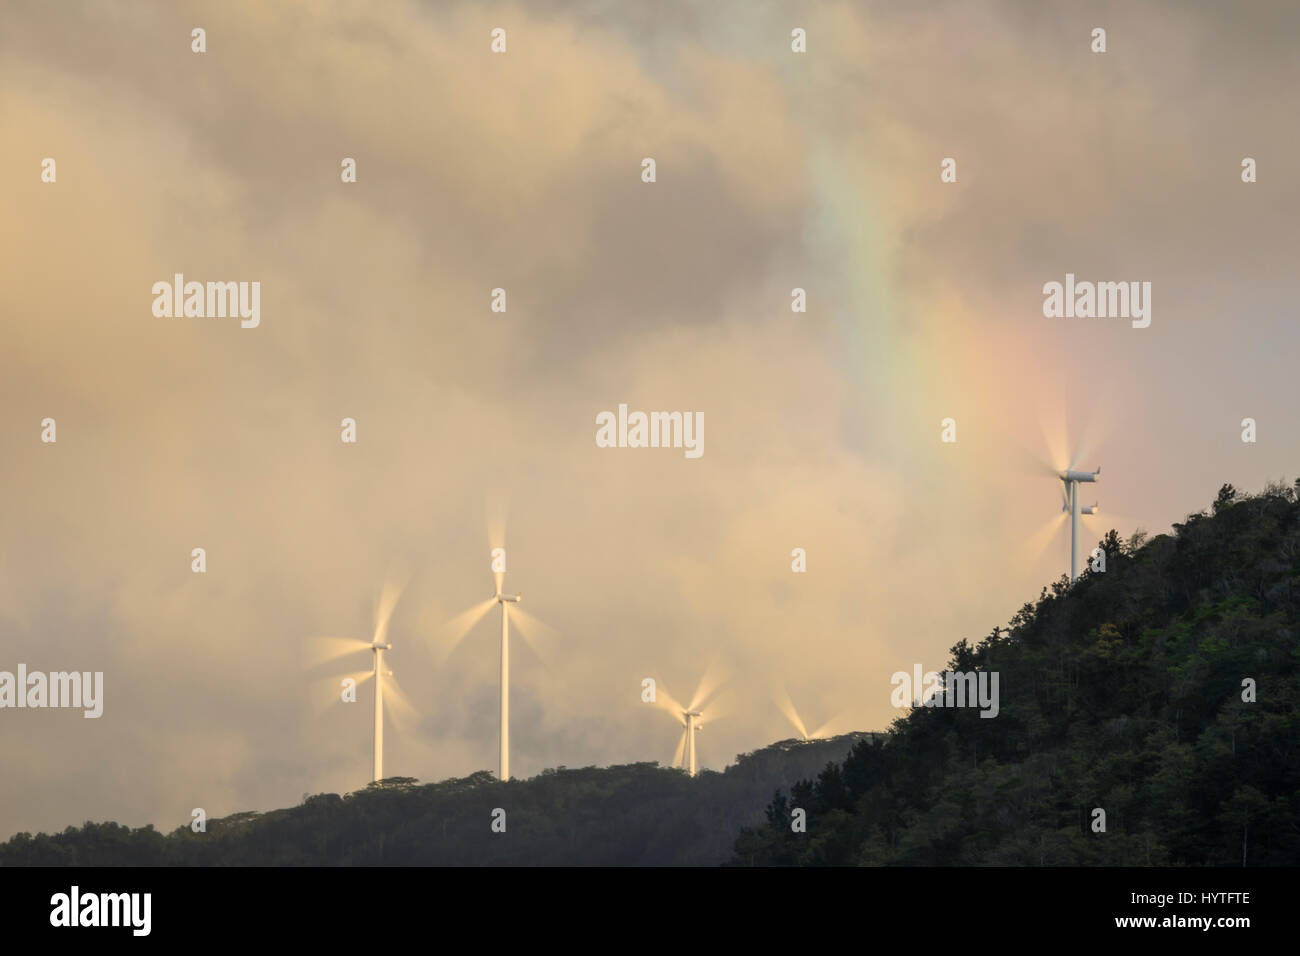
[{"x": 522, "y": 170}]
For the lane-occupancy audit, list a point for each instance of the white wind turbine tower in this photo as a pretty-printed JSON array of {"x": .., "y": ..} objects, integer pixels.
[
  {"x": 1071, "y": 505},
  {"x": 381, "y": 674},
  {"x": 329, "y": 649},
  {"x": 503, "y": 600},
  {"x": 691, "y": 728}
]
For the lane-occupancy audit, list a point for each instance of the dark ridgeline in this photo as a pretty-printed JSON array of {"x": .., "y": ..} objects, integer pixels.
[
  {"x": 1122, "y": 693},
  {"x": 632, "y": 815}
]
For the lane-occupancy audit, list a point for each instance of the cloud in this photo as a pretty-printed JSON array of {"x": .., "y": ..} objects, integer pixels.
[{"x": 522, "y": 171}]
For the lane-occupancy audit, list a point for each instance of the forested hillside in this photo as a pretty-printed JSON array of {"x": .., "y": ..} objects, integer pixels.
[
  {"x": 1124, "y": 693},
  {"x": 638, "y": 814}
]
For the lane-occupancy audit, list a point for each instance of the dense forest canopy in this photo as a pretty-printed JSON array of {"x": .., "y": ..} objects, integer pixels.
[
  {"x": 1126, "y": 693},
  {"x": 635, "y": 815}
]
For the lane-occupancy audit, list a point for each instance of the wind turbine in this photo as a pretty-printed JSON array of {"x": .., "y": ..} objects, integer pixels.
[
  {"x": 1071, "y": 479},
  {"x": 684, "y": 756},
  {"x": 334, "y": 648},
  {"x": 525, "y": 623},
  {"x": 1059, "y": 457},
  {"x": 689, "y": 718},
  {"x": 791, "y": 714}
]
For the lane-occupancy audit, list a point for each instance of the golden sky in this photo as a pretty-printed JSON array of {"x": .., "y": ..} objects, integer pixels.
[{"x": 522, "y": 170}]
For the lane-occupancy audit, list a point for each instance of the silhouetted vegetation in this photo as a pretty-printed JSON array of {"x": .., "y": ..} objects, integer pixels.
[
  {"x": 636, "y": 815},
  {"x": 1123, "y": 693}
]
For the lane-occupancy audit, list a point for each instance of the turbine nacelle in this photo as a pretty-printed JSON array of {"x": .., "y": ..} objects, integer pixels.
[
  {"x": 1071, "y": 475},
  {"x": 1070, "y": 504},
  {"x": 508, "y": 598},
  {"x": 379, "y": 646}
]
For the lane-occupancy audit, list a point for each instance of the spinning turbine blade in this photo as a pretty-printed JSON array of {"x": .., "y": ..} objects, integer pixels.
[
  {"x": 535, "y": 634},
  {"x": 328, "y": 691},
  {"x": 1094, "y": 431},
  {"x": 707, "y": 688},
  {"x": 1038, "y": 542},
  {"x": 405, "y": 716},
  {"x": 666, "y": 701},
  {"x": 1057, "y": 442},
  {"x": 717, "y": 706},
  {"x": 824, "y": 730},
  {"x": 1024, "y": 460},
  {"x": 384, "y": 612},
  {"x": 1048, "y": 455},
  {"x": 681, "y": 750},
  {"x": 787, "y": 708},
  {"x": 454, "y": 631},
  {"x": 325, "y": 650},
  {"x": 497, "y": 524},
  {"x": 498, "y": 511}
]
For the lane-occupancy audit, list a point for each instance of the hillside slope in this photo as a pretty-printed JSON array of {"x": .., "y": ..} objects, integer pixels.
[
  {"x": 637, "y": 814},
  {"x": 1123, "y": 693}
]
